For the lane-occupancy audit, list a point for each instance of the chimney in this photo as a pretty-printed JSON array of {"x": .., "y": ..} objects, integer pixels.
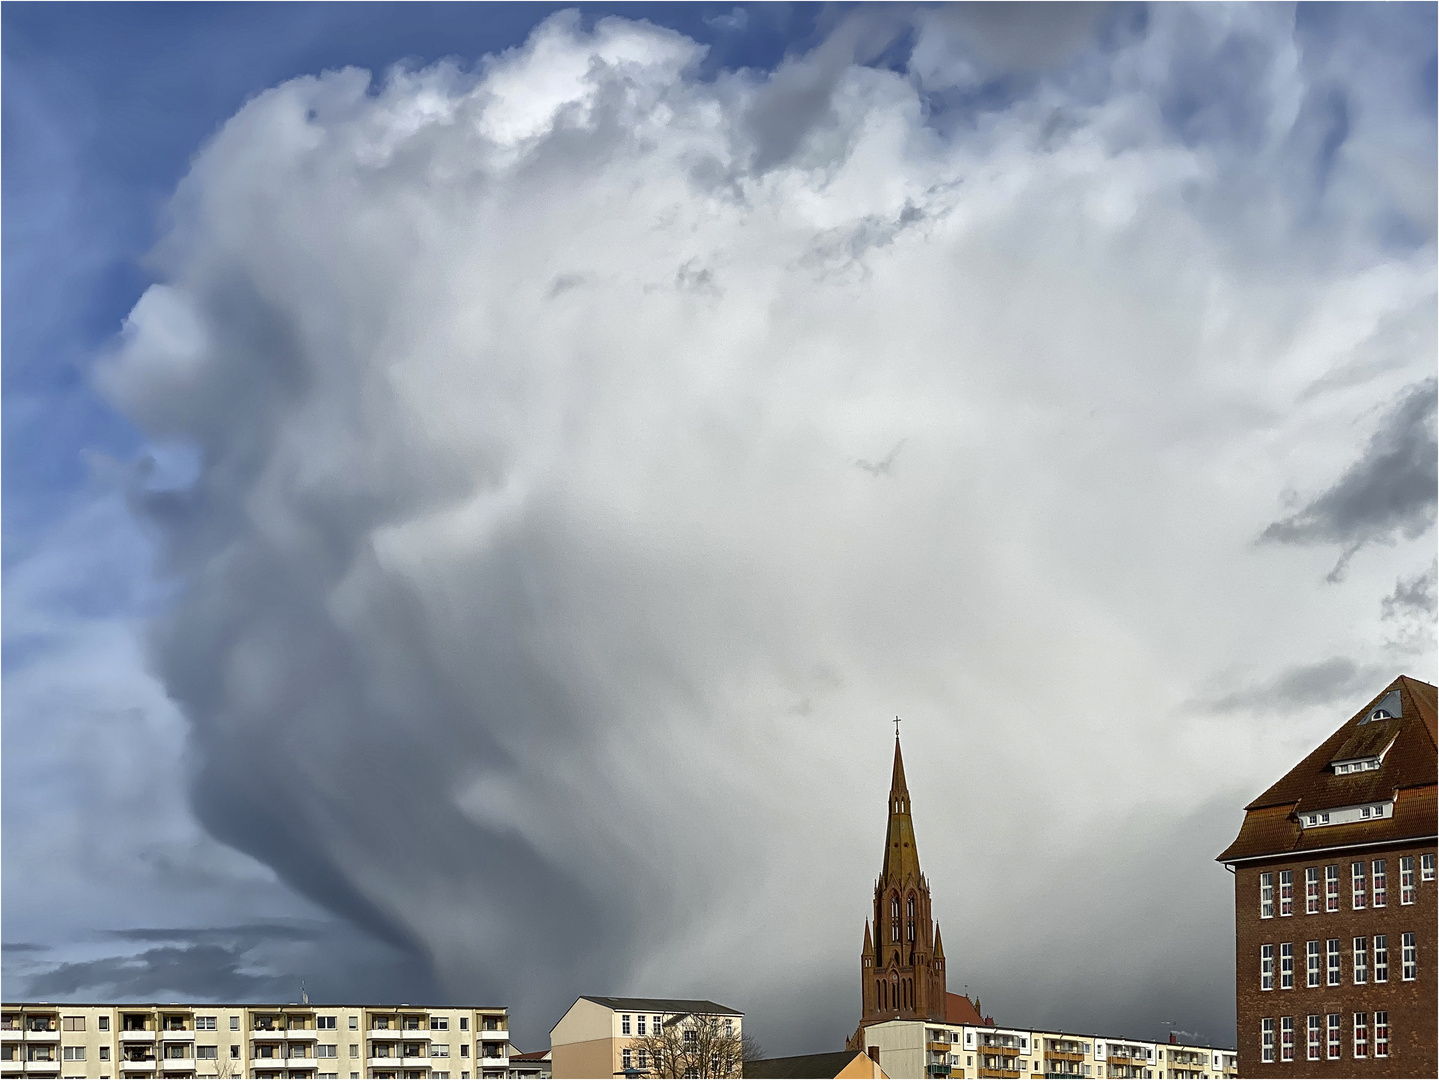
[{"x": 1173, "y": 1038}]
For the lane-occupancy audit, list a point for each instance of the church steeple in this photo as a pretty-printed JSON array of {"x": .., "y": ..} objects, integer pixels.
[{"x": 903, "y": 963}]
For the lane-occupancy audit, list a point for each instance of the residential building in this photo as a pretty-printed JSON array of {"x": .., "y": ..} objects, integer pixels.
[
  {"x": 1334, "y": 902},
  {"x": 843, "y": 1063},
  {"x": 535, "y": 1063},
  {"x": 614, "y": 1036},
  {"x": 919, "y": 1048},
  {"x": 309, "y": 1041},
  {"x": 902, "y": 972}
]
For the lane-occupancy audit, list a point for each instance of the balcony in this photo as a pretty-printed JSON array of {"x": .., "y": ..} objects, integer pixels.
[
  {"x": 495, "y": 1034},
  {"x": 42, "y": 1068},
  {"x": 939, "y": 1047},
  {"x": 137, "y": 1065},
  {"x": 11, "y": 1068},
  {"x": 301, "y": 1033},
  {"x": 1062, "y": 1055},
  {"x": 137, "y": 1036},
  {"x": 1000, "y": 1074},
  {"x": 185, "y": 1063},
  {"x": 45, "y": 1035},
  {"x": 996, "y": 1048},
  {"x": 384, "y": 1033}
]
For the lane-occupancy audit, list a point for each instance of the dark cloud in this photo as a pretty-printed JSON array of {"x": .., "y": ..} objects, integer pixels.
[
  {"x": 201, "y": 972},
  {"x": 1328, "y": 681},
  {"x": 1389, "y": 492},
  {"x": 1413, "y": 595},
  {"x": 244, "y": 936}
]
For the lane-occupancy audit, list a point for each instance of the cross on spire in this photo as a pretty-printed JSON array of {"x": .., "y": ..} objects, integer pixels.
[{"x": 896, "y": 727}]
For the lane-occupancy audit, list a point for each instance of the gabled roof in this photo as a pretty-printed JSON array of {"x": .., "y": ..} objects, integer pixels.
[
  {"x": 1407, "y": 775},
  {"x": 663, "y": 1005},
  {"x": 958, "y": 1009},
  {"x": 803, "y": 1067}
]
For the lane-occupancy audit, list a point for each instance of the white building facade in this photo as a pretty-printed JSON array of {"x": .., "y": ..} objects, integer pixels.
[{"x": 267, "y": 1042}]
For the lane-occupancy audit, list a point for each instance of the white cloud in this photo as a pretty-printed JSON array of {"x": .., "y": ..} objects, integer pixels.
[{"x": 529, "y": 414}]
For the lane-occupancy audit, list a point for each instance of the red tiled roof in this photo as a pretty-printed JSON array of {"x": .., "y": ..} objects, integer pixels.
[
  {"x": 958, "y": 1009},
  {"x": 1408, "y": 775}
]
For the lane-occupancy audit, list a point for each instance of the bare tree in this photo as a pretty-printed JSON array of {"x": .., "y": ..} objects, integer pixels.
[{"x": 692, "y": 1045}]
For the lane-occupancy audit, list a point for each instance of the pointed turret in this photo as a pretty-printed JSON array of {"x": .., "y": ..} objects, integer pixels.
[
  {"x": 938, "y": 940},
  {"x": 868, "y": 941}
]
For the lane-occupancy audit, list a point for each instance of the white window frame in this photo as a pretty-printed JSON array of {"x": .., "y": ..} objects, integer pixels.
[
  {"x": 1313, "y": 1042},
  {"x": 1286, "y": 965},
  {"x": 1408, "y": 958},
  {"x": 1311, "y": 890},
  {"x": 1266, "y": 895},
  {"x": 73, "y": 1053},
  {"x": 1426, "y": 866},
  {"x": 624, "y": 1023},
  {"x": 1336, "y": 971},
  {"x": 1331, "y": 887},
  {"x": 1379, "y": 876},
  {"x": 1381, "y": 1034},
  {"x": 1333, "y": 1040},
  {"x": 1361, "y": 961},
  {"x": 1361, "y": 1035},
  {"x": 1286, "y": 893},
  {"x": 1266, "y": 967},
  {"x": 1358, "y": 886},
  {"x": 1381, "y": 958},
  {"x": 1406, "y": 880},
  {"x": 1312, "y": 965},
  {"x": 213, "y": 1055},
  {"x": 1286, "y": 1038}
]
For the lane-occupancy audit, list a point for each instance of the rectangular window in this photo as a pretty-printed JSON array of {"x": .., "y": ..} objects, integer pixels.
[
  {"x": 1409, "y": 955},
  {"x": 74, "y": 1053},
  {"x": 439, "y": 1049},
  {"x": 1381, "y": 958},
  {"x": 1286, "y": 966},
  {"x": 1314, "y": 966},
  {"x": 640, "y": 1024},
  {"x": 354, "y": 1049},
  {"x": 1333, "y": 946},
  {"x": 655, "y": 1027},
  {"x": 204, "y": 1023},
  {"x": 1426, "y": 867},
  {"x": 1361, "y": 961},
  {"x": 207, "y": 1053},
  {"x": 1266, "y": 896},
  {"x": 1266, "y": 967},
  {"x": 354, "y": 1023},
  {"x": 1286, "y": 1038},
  {"x": 1381, "y": 886},
  {"x": 464, "y": 1023},
  {"x": 625, "y": 1061},
  {"x": 642, "y": 1059},
  {"x": 624, "y": 1025},
  {"x": 1331, "y": 888},
  {"x": 73, "y": 1023},
  {"x": 235, "y": 1023},
  {"x": 1311, "y": 890},
  {"x": 1361, "y": 1035},
  {"x": 1315, "y": 1041},
  {"x": 1406, "y": 879},
  {"x": 1286, "y": 892},
  {"x": 104, "y": 1053},
  {"x": 1381, "y": 1034},
  {"x": 327, "y": 1051},
  {"x": 325, "y": 1023},
  {"x": 103, "y": 1023},
  {"x": 439, "y": 1023},
  {"x": 1333, "y": 1040},
  {"x": 1359, "y": 886}
]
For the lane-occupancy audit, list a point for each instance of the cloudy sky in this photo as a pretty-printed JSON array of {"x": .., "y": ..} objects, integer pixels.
[{"x": 480, "y": 480}]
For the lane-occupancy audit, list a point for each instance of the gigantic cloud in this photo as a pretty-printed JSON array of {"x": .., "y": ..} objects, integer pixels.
[{"x": 590, "y": 458}]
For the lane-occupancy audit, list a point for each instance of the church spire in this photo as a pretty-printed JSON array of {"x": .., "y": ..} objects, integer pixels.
[{"x": 901, "y": 857}]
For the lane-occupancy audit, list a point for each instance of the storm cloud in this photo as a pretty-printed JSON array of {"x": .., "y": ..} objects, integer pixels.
[
  {"x": 1389, "y": 492},
  {"x": 545, "y": 570}
]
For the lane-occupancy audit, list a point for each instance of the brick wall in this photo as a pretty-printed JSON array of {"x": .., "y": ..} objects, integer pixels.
[{"x": 1411, "y": 1006}]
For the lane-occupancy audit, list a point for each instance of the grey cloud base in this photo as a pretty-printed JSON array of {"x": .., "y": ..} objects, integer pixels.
[{"x": 533, "y": 614}]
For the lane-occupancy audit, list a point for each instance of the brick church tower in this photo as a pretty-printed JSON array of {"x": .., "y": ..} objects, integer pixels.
[{"x": 902, "y": 966}]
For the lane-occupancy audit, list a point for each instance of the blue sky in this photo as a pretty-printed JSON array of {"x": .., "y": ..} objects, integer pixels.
[{"x": 551, "y": 444}]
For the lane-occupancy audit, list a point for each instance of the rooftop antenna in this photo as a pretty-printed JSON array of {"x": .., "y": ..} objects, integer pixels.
[{"x": 304, "y": 997}]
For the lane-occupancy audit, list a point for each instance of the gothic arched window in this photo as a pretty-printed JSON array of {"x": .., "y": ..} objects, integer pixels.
[{"x": 909, "y": 907}]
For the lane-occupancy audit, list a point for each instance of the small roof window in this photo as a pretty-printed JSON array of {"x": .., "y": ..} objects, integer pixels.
[{"x": 1387, "y": 709}]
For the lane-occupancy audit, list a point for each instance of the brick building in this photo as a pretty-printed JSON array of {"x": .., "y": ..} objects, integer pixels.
[{"x": 1334, "y": 902}]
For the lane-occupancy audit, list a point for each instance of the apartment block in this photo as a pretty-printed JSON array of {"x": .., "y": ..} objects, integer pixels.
[
  {"x": 267, "y": 1042},
  {"x": 615, "y": 1036},
  {"x": 917, "y": 1048},
  {"x": 1334, "y": 902}
]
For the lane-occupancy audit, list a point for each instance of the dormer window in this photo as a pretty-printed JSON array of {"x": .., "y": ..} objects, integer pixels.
[
  {"x": 1343, "y": 768},
  {"x": 1387, "y": 709}
]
